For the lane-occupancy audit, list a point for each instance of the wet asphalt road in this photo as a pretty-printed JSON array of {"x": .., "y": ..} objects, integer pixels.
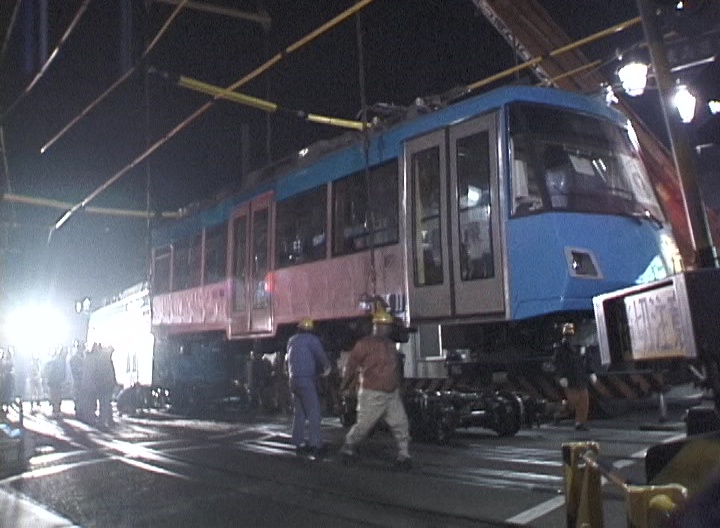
[{"x": 163, "y": 470}]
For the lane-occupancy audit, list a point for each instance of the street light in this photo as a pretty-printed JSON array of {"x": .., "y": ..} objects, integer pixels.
[
  {"x": 633, "y": 77},
  {"x": 684, "y": 101}
]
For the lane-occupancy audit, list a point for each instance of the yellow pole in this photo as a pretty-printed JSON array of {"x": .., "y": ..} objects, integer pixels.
[
  {"x": 262, "y": 104},
  {"x": 583, "y": 499},
  {"x": 111, "y": 211}
]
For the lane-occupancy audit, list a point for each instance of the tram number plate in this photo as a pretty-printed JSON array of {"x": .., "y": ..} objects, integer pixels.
[{"x": 655, "y": 325}]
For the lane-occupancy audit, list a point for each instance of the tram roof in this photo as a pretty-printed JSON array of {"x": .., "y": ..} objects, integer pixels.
[{"x": 328, "y": 160}]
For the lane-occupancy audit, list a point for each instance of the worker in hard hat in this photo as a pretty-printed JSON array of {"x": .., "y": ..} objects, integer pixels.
[
  {"x": 574, "y": 375},
  {"x": 306, "y": 359},
  {"x": 375, "y": 359}
]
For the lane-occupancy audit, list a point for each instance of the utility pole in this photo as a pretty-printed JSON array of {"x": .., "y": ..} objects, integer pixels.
[{"x": 705, "y": 253}]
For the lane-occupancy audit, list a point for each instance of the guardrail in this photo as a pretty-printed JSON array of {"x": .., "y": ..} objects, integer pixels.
[{"x": 647, "y": 506}]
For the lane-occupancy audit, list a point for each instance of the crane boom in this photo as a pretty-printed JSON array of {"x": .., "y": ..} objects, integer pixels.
[{"x": 531, "y": 32}]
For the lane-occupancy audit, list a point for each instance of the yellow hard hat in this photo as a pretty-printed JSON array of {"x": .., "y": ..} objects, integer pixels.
[
  {"x": 306, "y": 324},
  {"x": 382, "y": 317}
]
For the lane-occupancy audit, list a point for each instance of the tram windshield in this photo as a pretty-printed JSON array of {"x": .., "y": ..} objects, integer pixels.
[{"x": 568, "y": 161}]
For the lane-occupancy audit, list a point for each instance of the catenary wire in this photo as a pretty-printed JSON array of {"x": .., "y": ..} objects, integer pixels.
[
  {"x": 76, "y": 19},
  {"x": 204, "y": 108},
  {"x": 118, "y": 82}
]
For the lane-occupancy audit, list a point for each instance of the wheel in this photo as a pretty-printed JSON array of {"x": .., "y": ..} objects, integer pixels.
[{"x": 507, "y": 415}]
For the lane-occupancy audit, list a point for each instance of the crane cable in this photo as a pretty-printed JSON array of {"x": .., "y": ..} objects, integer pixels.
[
  {"x": 78, "y": 15},
  {"x": 118, "y": 82},
  {"x": 204, "y": 108},
  {"x": 366, "y": 152}
]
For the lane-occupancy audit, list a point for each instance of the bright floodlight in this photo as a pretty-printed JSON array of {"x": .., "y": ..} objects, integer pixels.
[
  {"x": 714, "y": 107},
  {"x": 685, "y": 103},
  {"x": 633, "y": 77},
  {"x": 36, "y": 328}
]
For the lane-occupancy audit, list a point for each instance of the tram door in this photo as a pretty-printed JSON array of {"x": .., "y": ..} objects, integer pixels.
[
  {"x": 455, "y": 261},
  {"x": 250, "y": 264}
]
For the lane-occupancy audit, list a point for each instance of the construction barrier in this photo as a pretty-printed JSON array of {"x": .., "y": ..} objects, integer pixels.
[{"x": 646, "y": 506}]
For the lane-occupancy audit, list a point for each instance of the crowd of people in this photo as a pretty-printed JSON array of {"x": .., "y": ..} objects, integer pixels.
[{"x": 86, "y": 374}]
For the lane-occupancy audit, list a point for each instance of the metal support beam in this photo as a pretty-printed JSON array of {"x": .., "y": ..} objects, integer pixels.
[{"x": 704, "y": 252}]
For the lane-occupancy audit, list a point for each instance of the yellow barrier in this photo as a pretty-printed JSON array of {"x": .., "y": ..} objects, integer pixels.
[
  {"x": 583, "y": 498},
  {"x": 647, "y": 506}
]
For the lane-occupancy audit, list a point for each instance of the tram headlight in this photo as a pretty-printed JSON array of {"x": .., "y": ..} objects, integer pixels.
[{"x": 581, "y": 263}]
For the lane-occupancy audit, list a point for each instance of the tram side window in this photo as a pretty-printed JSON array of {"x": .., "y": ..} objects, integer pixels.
[
  {"x": 475, "y": 207},
  {"x": 186, "y": 264},
  {"x": 161, "y": 272},
  {"x": 259, "y": 256},
  {"x": 427, "y": 234},
  {"x": 353, "y": 211},
  {"x": 301, "y": 229},
  {"x": 215, "y": 254}
]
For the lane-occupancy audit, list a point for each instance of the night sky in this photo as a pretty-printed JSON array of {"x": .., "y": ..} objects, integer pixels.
[{"x": 412, "y": 48}]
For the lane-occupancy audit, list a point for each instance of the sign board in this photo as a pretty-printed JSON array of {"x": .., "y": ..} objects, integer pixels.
[{"x": 655, "y": 324}]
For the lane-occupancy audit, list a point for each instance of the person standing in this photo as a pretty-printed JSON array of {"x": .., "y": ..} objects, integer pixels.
[
  {"x": 35, "y": 383},
  {"x": 375, "y": 358},
  {"x": 259, "y": 373},
  {"x": 77, "y": 362},
  {"x": 89, "y": 393},
  {"x": 575, "y": 376},
  {"x": 305, "y": 359},
  {"x": 7, "y": 380},
  {"x": 105, "y": 386},
  {"x": 55, "y": 378}
]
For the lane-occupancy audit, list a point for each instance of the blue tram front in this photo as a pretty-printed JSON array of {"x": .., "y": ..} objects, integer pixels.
[{"x": 481, "y": 224}]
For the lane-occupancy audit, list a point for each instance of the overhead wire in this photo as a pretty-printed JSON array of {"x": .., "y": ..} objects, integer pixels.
[
  {"x": 119, "y": 81},
  {"x": 11, "y": 25},
  {"x": 76, "y": 19},
  {"x": 204, "y": 108}
]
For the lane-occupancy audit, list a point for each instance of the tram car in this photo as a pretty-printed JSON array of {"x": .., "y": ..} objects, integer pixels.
[{"x": 481, "y": 225}]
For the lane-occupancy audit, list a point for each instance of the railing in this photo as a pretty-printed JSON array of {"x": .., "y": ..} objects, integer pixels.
[{"x": 647, "y": 506}]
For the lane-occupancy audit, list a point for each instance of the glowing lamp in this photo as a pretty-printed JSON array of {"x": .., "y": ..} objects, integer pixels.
[
  {"x": 37, "y": 328},
  {"x": 685, "y": 103},
  {"x": 633, "y": 77}
]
